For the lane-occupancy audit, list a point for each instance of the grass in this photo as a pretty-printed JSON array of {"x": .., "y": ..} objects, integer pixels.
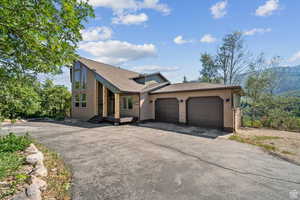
[
  {"x": 12, "y": 161},
  {"x": 12, "y": 165},
  {"x": 257, "y": 141},
  {"x": 59, "y": 175}
]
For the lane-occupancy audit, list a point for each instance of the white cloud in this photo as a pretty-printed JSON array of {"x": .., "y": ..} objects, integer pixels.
[
  {"x": 268, "y": 8},
  {"x": 96, "y": 33},
  {"x": 208, "y": 38},
  {"x": 154, "y": 68},
  {"x": 219, "y": 9},
  {"x": 117, "y": 52},
  {"x": 179, "y": 40},
  {"x": 155, "y": 5},
  {"x": 119, "y": 6},
  {"x": 257, "y": 30},
  {"x": 130, "y": 19},
  {"x": 295, "y": 57}
]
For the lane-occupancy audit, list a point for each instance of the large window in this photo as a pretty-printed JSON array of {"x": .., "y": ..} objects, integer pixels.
[
  {"x": 80, "y": 100},
  {"x": 127, "y": 103},
  {"x": 80, "y": 76}
]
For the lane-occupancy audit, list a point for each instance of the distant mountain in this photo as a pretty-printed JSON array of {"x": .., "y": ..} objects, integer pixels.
[{"x": 289, "y": 80}]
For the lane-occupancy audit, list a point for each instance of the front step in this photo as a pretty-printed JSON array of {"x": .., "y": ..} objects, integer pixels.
[{"x": 96, "y": 119}]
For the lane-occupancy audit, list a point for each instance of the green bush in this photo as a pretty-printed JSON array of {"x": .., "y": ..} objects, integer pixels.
[{"x": 13, "y": 143}]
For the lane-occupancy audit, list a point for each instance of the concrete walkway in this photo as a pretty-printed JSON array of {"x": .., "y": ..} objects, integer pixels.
[{"x": 132, "y": 162}]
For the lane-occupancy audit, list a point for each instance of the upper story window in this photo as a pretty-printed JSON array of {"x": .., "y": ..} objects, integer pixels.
[{"x": 80, "y": 76}]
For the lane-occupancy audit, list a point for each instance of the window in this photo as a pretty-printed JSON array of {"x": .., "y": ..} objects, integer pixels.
[
  {"x": 127, "y": 103},
  {"x": 77, "y": 100},
  {"x": 83, "y": 77},
  {"x": 80, "y": 100},
  {"x": 83, "y": 100},
  {"x": 130, "y": 103},
  {"x": 80, "y": 76}
]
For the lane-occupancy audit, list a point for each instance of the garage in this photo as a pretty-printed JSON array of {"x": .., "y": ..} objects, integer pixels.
[
  {"x": 167, "y": 110},
  {"x": 205, "y": 112}
]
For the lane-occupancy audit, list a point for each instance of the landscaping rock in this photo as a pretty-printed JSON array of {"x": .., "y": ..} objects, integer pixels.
[
  {"x": 32, "y": 149},
  {"x": 42, "y": 185},
  {"x": 20, "y": 196},
  {"x": 40, "y": 170},
  {"x": 35, "y": 158},
  {"x": 33, "y": 192}
]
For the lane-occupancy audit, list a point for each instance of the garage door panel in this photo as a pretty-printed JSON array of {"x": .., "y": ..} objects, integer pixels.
[
  {"x": 205, "y": 111},
  {"x": 167, "y": 110}
]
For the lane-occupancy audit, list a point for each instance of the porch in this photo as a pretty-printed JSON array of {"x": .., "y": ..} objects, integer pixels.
[{"x": 109, "y": 106}]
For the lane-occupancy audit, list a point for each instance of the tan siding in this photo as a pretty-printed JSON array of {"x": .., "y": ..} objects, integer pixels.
[
  {"x": 224, "y": 94},
  {"x": 91, "y": 92},
  {"x": 146, "y": 107},
  {"x": 134, "y": 112}
]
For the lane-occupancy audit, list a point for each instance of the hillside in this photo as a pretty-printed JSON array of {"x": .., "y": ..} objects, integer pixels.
[{"x": 289, "y": 80}]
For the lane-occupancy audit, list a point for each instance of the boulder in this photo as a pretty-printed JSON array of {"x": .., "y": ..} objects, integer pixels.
[
  {"x": 35, "y": 158},
  {"x": 31, "y": 149},
  {"x": 40, "y": 170},
  {"x": 20, "y": 196},
  {"x": 33, "y": 192},
  {"x": 42, "y": 185}
]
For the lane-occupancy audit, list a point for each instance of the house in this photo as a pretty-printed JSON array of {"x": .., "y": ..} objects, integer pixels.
[{"x": 120, "y": 95}]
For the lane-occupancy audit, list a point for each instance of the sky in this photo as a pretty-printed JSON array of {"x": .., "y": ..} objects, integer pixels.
[{"x": 170, "y": 35}]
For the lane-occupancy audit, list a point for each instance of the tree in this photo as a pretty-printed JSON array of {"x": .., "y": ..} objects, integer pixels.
[
  {"x": 209, "y": 71},
  {"x": 18, "y": 96},
  {"x": 231, "y": 58},
  {"x": 55, "y": 100},
  {"x": 259, "y": 86},
  {"x": 184, "y": 79},
  {"x": 40, "y": 36}
]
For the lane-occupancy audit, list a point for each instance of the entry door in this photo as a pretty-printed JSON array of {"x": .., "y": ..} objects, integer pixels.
[
  {"x": 167, "y": 110},
  {"x": 205, "y": 112}
]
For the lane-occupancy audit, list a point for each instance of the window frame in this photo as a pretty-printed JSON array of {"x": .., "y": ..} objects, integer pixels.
[
  {"x": 83, "y": 101},
  {"x": 77, "y": 100},
  {"x": 127, "y": 102},
  {"x": 80, "y": 84}
]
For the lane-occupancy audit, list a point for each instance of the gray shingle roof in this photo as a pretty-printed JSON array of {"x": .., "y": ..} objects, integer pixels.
[
  {"x": 120, "y": 78},
  {"x": 180, "y": 87}
]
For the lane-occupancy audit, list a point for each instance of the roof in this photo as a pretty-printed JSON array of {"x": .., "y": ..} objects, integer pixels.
[
  {"x": 185, "y": 87},
  {"x": 154, "y": 86},
  {"x": 120, "y": 78},
  {"x": 151, "y": 74}
]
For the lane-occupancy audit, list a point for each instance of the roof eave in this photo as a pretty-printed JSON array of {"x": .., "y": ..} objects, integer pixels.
[{"x": 194, "y": 90}]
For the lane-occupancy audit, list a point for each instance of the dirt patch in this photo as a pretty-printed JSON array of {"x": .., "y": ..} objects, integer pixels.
[{"x": 282, "y": 143}]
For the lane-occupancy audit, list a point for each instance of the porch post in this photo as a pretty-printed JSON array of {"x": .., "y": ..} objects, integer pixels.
[
  {"x": 117, "y": 106},
  {"x": 105, "y": 103}
]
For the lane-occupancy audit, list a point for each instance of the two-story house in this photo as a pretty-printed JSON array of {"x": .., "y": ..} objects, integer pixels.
[{"x": 119, "y": 95}]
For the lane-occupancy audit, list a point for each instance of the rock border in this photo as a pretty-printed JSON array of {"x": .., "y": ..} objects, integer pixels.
[{"x": 34, "y": 190}]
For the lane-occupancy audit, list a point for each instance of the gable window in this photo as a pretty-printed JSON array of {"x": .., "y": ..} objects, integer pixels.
[
  {"x": 127, "y": 103},
  {"x": 80, "y": 100},
  {"x": 80, "y": 76}
]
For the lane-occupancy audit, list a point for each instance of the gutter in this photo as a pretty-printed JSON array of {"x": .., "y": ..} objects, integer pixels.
[{"x": 194, "y": 90}]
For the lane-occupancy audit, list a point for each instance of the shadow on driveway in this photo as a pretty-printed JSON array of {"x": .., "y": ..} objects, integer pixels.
[{"x": 185, "y": 129}]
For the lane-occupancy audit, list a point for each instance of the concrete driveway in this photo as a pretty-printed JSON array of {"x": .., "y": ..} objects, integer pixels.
[{"x": 132, "y": 162}]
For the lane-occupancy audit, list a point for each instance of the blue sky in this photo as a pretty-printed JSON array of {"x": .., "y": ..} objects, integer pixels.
[{"x": 170, "y": 35}]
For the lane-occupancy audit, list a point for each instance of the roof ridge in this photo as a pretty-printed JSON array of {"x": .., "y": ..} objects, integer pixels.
[{"x": 109, "y": 65}]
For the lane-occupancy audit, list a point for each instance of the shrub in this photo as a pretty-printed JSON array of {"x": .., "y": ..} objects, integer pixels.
[{"x": 12, "y": 143}]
